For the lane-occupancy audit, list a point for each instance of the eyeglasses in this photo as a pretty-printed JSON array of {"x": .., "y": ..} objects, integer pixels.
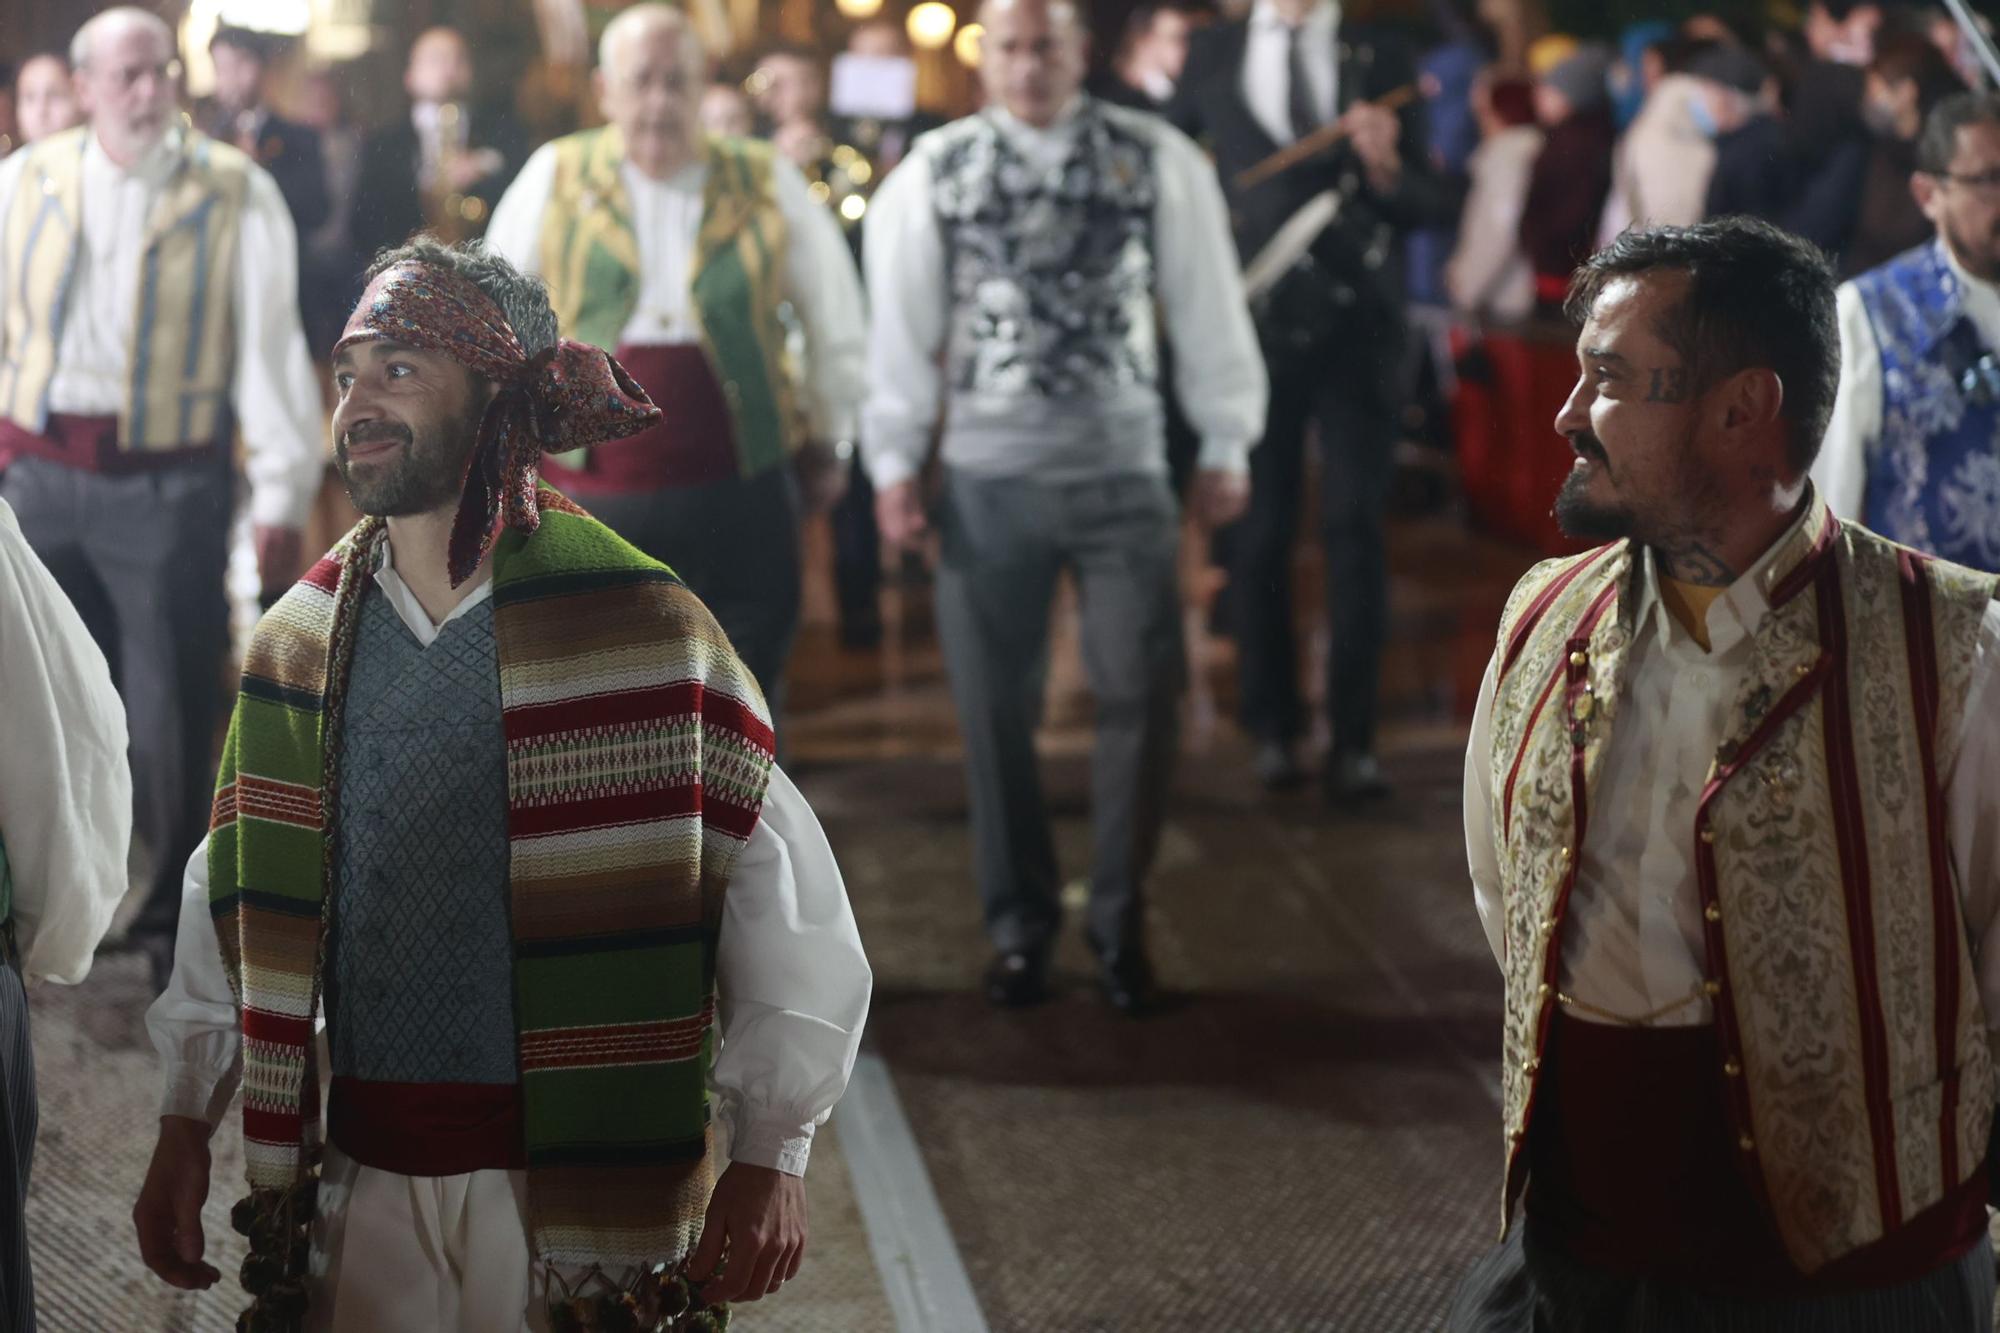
[{"x": 1985, "y": 182}]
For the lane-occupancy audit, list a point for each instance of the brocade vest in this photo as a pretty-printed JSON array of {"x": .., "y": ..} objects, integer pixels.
[
  {"x": 1933, "y": 481},
  {"x": 1855, "y": 1062},
  {"x": 182, "y": 352},
  {"x": 590, "y": 260},
  {"x": 1051, "y": 271}
]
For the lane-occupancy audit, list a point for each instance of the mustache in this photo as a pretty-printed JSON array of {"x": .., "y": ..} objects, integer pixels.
[
  {"x": 1586, "y": 443},
  {"x": 375, "y": 432}
]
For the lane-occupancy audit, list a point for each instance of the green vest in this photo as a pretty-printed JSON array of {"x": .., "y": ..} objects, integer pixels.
[{"x": 590, "y": 260}]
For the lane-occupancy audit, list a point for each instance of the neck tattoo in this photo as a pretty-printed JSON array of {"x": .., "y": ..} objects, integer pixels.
[{"x": 1694, "y": 562}]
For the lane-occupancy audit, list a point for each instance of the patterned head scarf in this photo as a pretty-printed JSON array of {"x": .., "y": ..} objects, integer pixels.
[{"x": 569, "y": 396}]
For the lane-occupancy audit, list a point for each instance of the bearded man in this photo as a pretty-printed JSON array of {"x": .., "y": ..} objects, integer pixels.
[
  {"x": 498, "y": 805},
  {"x": 1732, "y": 810}
]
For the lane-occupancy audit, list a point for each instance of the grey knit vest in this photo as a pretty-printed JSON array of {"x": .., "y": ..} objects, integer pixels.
[{"x": 420, "y": 969}]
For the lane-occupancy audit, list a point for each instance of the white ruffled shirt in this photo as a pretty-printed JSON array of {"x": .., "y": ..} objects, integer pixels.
[{"x": 792, "y": 981}]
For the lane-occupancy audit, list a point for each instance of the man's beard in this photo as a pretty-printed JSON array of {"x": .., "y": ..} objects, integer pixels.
[
  {"x": 1581, "y": 517},
  {"x": 425, "y": 476},
  {"x": 1980, "y": 256}
]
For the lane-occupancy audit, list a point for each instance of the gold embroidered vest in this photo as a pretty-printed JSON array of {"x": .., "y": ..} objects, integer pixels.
[
  {"x": 182, "y": 351},
  {"x": 590, "y": 260},
  {"x": 1856, "y": 1065}
]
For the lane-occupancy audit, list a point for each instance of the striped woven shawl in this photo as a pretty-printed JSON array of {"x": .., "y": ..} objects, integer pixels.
[{"x": 638, "y": 752}]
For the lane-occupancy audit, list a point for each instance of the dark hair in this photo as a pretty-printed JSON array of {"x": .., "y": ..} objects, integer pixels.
[
  {"x": 1939, "y": 141},
  {"x": 522, "y": 297},
  {"x": 253, "y": 44},
  {"x": 1756, "y": 296},
  {"x": 1912, "y": 56}
]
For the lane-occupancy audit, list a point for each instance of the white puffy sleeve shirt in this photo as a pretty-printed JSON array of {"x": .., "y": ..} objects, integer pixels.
[
  {"x": 65, "y": 789},
  {"x": 792, "y": 981}
]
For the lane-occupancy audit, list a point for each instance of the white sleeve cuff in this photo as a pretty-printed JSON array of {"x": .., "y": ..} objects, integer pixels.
[
  {"x": 777, "y": 1144},
  {"x": 199, "y": 1094},
  {"x": 1218, "y": 455},
  {"x": 887, "y": 466},
  {"x": 280, "y": 506}
]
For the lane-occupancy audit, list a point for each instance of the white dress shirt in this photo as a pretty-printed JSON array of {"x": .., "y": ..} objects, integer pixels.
[
  {"x": 274, "y": 390},
  {"x": 1632, "y": 942},
  {"x": 1855, "y": 428},
  {"x": 791, "y": 979},
  {"x": 1218, "y": 369},
  {"x": 819, "y": 276},
  {"x": 65, "y": 789},
  {"x": 1490, "y": 276},
  {"x": 1267, "y": 65}
]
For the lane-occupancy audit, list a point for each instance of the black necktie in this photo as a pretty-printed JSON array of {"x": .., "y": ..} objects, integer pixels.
[{"x": 1298, "y": 88}]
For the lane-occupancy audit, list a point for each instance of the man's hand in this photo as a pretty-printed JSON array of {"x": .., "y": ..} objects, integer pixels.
[
  {"x": 1376, "y": 134},
  {"x": 760, "y": 1215},
  {"x": 280, "y": 559},
  {"x": 1219, "y": 497},
  {"x": 168, "y": 1214},
  {"x": 899, "y": 513}
]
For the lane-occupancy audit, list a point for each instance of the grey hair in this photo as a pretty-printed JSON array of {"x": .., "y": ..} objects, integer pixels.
[
  {"x": 652, "y": 15},
  {"x": 522, "y": 297},
  {"x": 86, "y": 36}
]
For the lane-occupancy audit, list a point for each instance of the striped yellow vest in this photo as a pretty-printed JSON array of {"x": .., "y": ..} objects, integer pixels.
[
  {"x": 1856, "y": 1066},
  {"x": 181, "y": 355},
  {"x": 590, "y": 260}
]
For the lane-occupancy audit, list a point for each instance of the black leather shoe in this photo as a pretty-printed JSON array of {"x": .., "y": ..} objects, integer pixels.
[
  {"x": 1017, "y": 979},
  {"x": 1277, "y": 767},
  {"x": 1354, "y": 779},
  {"x": 1126, "y": 978}
]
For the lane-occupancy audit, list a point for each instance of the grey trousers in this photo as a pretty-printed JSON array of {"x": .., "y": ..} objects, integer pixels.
[
  {"x": 17, "y": 1152},
  {"x": 143, "y": 557},
  {"x": 1524, "y": 1288},
  {"x": 736, "y": 546},
  {"x": 1005, "y": 543}
]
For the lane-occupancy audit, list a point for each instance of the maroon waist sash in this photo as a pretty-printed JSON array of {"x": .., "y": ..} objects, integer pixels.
[
  {"x": 692, "y": 444},
  {"x": 90, "y": 443},
  {"x": 427, "y": 1129},
  {"x": 1634, "y": 1169}
]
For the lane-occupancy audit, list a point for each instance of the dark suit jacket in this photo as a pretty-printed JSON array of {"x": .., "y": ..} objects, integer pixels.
[
  {"x": 388, "y": 205},
  {"x": 1208, "y": 104},
  {"x": 291, "y": 153}
]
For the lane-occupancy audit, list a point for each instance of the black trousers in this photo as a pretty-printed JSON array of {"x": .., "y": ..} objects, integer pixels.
[
  {"x": 736, "y": 545},
  {"x": 18, "y": 1118},
  {"x": 143, "y": 558},
  {"x": 857, "y": 553},
  {"x": 1352, "y": 394}
]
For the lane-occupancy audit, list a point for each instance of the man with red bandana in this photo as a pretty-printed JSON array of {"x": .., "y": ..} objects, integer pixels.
[{"x": 498, "y": 811}]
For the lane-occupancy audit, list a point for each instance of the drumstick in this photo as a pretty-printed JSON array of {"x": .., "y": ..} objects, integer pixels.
[{"x": 1321, "y": 139}]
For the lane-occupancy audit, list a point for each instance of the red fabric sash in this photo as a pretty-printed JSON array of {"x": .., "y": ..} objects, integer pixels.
[
  {"x": 427, "y": 1129},
  {"x": 1634, "y": 1169},
  {"x": 91, "y": 445},
  {"x": 693, "y": 444}
]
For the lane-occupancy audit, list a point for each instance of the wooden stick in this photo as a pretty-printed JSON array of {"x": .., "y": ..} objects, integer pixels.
[{"x": 1319, "y": 141}]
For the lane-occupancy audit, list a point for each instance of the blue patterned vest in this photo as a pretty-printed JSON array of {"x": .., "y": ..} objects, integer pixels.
[
  {"x": 1934, "y": 477},
  {"x": 1051, "y": 271}
]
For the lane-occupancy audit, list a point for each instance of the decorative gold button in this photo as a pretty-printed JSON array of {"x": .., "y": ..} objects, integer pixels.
[
  {"x": 1713, "y": 912},
  {"x": 1746, "y": 1143},
  {"x": 1542, "y": 991},
  {"x": 1530, "y": 1065},
  {"x": 1711, "y": 988},
  {"x": 1708, "y": 835},
  {"x": 1804, "y": 670},
  {"x": 1548, "y": 927},
  {"x": 1562, "y": 853},
  {"x": 1583, "y": 707},
  {"x": 1732, "y": 1069},
  {"x": 1579, "y": 659}
]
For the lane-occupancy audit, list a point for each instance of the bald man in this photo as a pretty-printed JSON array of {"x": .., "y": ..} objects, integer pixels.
[
  {"x": 444, "y": 166},
  {"x": 1023, "y": 264},
  {"x": 148, "y": 306},
  {"x": 678, "y": 251}
]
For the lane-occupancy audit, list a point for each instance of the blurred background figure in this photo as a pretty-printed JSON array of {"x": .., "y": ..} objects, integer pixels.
[
  {"x": 1490, "y": 276},
  {"x": 683, "y": 254},
  {"x": 1907, "y": 79},
  {"x": 1828, "y": 137},
  {"x": 1151, "y": 53},
  {"x": 331, "y": 263},
  {"x": 727, "y": 110},
  {"x": 1572, "y": 175},
  {"x": 1755, "y": 171},
  {"x": 1662, "y": 166},
  {"x": 443, "y": 167},
  {"x": 118, "y": 416},
  {"x": 1641, "y": 65},
  {"x": 885, "y": 139},
  {"x": 790, "y": 93},
  {"x": 45, "y": 97},
  {"x": 239, "y": 113}
]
